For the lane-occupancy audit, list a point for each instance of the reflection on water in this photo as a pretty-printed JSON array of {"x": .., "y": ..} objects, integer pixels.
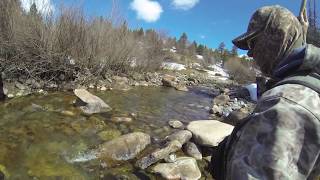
[{"x": 39, "y": 134}]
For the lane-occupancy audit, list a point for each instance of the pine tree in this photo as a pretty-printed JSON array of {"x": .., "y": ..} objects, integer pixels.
[
  {"x": 234, "y": 51},
  {"x": 182, "y": 43},
  {"x": 200, "y": 49}
]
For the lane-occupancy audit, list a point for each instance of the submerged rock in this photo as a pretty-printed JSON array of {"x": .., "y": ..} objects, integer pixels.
[
  {"x": 176, "y": 124},
  {"x": 209, "y": 132},
  {"x": 89, "y": 103},
  {"x": 124, "y": 147},
  {"x": 183, "y": 168},
  {"x": 109, "y": 134},
  {"x": 121, "y": 119}
]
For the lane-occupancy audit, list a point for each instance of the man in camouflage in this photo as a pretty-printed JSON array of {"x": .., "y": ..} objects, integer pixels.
[{"x": 281, "y": 139}]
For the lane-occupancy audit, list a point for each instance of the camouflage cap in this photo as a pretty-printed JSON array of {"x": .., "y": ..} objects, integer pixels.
[
  {"x": 271, "y": 17},
  {"x": 272, "y": 33}
]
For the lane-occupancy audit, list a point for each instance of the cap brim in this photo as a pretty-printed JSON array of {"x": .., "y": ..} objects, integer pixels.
[{"x": 242, "y": 41}]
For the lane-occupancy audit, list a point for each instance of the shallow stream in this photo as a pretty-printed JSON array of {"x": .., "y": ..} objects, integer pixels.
[{"x": 39, "y": 134}]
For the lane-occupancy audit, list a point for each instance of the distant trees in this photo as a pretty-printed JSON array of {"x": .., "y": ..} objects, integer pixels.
[{"x": 313, "y": 36}]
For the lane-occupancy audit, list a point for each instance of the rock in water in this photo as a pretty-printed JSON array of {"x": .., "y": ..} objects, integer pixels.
[
  {"x": 89, "y": 103},
  {"x": 124, "y": 147},
  {"x": 221, "y": 99},
  {"x": 185, "y": 168},
  {"x": 159, "y": 154},
  {"x": 169, "y": 81},
  {"x": 182, "y": 136},
  {"x": 176, "y": 124},
  {"x": 2, "y": 96},
  {"x": 209, "y": 132},
  {"x": 192, "y": 150}
]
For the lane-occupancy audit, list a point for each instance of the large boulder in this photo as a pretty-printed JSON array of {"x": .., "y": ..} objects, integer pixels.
[
  {"x": 183, "y": 168},
  {"x": 90, "y": 103},
  {"x": 222, "y": 99},
  {"x": 124, "y": 147},
  {"x": 209, "y": 132},
  {"x": 192, "y": 150}
]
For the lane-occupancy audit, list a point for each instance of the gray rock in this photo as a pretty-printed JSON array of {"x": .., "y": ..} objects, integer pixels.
[
  {"x": 159, "y": 154},
  {"x": 181, "y": 87},
  {"x": 181, "y": 136},
  {"x": 120, "y": 83},
  {"x": 209, "y": 132},
  {"x": 89, "y": 103},
  {"x": 20, "y": 86},
  {"x": 124, "y": 147},
  {"x": 192, "y": 150},
  {"x": 217, "y": 110},
  {"x": 171, "y": 158},
  {"x": 221, "y": 99},
  {"x": 176, "y": 124},
  {"x": 169, "y": 81},
  {"x": 184, "y": 168}
]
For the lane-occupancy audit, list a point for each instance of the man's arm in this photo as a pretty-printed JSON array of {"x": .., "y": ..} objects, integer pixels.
[{"x": 282, "y": 140}]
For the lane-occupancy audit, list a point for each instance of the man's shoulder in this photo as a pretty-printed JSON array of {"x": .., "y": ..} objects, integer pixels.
[{"x": 295, "y": 94}]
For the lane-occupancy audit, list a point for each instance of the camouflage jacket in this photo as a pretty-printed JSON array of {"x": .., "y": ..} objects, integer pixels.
[{"x": 282, "y": 138}]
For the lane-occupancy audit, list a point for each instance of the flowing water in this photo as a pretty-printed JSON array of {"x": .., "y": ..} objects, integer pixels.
[{"x": 46, "y": 137}]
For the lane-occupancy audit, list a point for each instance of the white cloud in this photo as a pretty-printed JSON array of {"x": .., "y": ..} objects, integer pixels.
[
  {"x": 44, "y": 6},
  {"x": 184, "y": 4},
  {"x": 202, "y": 36},
  {"x": 147, "y": 10}
]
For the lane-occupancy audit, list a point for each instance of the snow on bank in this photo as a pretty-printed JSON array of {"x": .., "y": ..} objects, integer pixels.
[
  {"x": 173, "y": 66},
  {"x": 218, "y": 71},
  {"x": 199, "y": 57}
]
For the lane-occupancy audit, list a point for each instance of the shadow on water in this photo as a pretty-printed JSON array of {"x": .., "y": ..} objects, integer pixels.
[{"x": 38, "y": 132}]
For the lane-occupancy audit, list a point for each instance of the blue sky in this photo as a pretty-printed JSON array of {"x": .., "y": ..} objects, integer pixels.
[{"x": 209, "y": 22}]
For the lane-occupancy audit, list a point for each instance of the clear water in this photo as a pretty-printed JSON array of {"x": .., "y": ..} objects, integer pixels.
[{"x": 46, "y": 137}]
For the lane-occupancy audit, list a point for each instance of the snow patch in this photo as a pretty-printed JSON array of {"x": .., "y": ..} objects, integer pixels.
[
  {"x": 173, "y": 66},
  {"x": 199, "y": 57}
]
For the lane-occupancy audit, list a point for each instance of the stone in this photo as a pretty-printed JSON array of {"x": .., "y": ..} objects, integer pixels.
[
  {"x": 10, "y": 96},
  {"x": 159, "y": 154},
  {"x": 20, "y": 86},
  {"x": 121, "y": 119},
  {"x": 124, "y": 147},
  {"x": 171, "y": 158},
  {"x": 176, "y": 124},
  {"x": 236, "y": 116},
  {"x": 169, "y": 81},
  {"x": 109, "y": 134},
  {"x": 181, "y": 87},
  {"x": 103, "y": 88},
  {"x": 217, "y": 110},
  {"x": 120, "y": 83},
  {"x": 209, "y": 132},
  {"x": 184, "y": 168},
  {"x": 89, "y": 103},
  {"x": 221, "y": 99},
  {"x": 192, "y": 150},
  {"x": 181, "y": 136}
]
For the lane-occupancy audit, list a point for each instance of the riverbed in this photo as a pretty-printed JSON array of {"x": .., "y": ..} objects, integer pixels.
[{"x": 41, "y": 135}]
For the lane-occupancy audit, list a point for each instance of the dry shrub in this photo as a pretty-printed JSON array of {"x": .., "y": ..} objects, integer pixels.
[
  {"x": 240, "y": 70},
  {"x": 70, "y": 44}
]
